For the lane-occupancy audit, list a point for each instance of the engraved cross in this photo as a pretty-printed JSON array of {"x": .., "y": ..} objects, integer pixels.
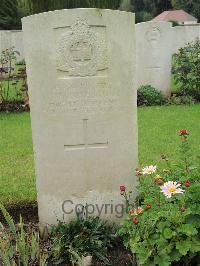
[{"x": 86, "y": 144}]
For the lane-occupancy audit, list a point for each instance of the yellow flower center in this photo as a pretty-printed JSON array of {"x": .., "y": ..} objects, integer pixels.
[
  {"x": 172, "y": 189},
  {"x": 150, "y": 171}
]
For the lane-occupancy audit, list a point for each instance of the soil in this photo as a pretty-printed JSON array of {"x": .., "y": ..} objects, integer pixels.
[
  {"x": 29, "y": 213},
  {"x": 13, "y": 106}
]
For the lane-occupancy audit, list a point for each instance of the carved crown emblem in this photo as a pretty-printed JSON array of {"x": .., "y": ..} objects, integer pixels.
[
  {"x": 153, "y": 34},
  {"x": 81, "y": 51}
]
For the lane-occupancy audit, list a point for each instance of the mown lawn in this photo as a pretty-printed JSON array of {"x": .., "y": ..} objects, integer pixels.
[
  {"x": 17, "y": 179},
  {"x": 158, "y": 127}
]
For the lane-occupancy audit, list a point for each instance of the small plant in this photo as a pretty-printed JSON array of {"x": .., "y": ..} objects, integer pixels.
[
  {"x": 186, "y": 70},
  {"x": 13, "y": 83},
  {"x": 17, "y": 247},
  {"x": 163, "y": 224},
  {"x": 81, "y": 238},
  {"x": 148, "y": 95},
  {"x": 7, "y": 60}
]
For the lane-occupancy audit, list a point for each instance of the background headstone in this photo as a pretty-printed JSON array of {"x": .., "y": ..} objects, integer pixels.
[
  {"x": 5, "y": 40},
  {"x": 181, "y": 35},
  {"x": 17, "y": 42},
  {"x": 153, "y": 55},
  {"x": 80, "y": 66}
]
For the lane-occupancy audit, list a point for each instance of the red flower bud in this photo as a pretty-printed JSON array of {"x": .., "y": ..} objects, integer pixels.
[
  {"x": 138, "y": 172},
  {"x": 122, "y": 188},
  {"x": 187, "y": 183},
  {"x": 148, "y": 206},
  {"x": 183, "y": 132},
  {"x": 135, "y": 220},
  {"x": 182, "y": 209}
]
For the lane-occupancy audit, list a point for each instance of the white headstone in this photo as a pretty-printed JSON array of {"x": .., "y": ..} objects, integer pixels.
[
  {"x": 17, "y": 43},
  {"x": 153, "y": 55},
  {"x": 183, "y": 35},
  {"x": 80, "y": 66},
  {"x": 5, "y": 40}
]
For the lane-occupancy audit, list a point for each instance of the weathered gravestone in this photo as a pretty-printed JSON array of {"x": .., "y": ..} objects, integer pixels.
[
  {"x": 17, "y": 43},
  {"x": 5, "y": 40},
  {"x": 80, "y": 66},
  {"x": 182, "y": 35},
  {"x": 153, "y": 55}
]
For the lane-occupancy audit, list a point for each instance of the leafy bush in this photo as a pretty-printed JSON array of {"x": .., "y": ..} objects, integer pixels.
[
  {"x": 80, "y": 238},
  {"x": 163, "y": 226},
  {"x": 147, "y": 95},
  {"x": 178, "y": 100},
  {"x": 186, "y": 69}
]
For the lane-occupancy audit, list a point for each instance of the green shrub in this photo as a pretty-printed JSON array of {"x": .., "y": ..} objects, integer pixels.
[
  {"x": 80, "y": 238},
  {"x": 148, "y": 95},
  {"x": 163, "y": 224},
  {"x": 178, "y": 100},
  {"x": 186, "y": 70}
]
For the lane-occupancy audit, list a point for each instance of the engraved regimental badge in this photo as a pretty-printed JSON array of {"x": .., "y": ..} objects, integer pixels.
[{"x": 81, "y": 50}]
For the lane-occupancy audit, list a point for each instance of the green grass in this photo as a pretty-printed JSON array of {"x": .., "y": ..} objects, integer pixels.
[
  {"x": 17, "y": 179},
  {"x": 158, "y": 131},
  {"x": 158, "y": 127}
]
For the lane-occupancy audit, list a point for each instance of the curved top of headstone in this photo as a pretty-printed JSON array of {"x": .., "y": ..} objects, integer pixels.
[
  {"x": 160, "y": 23},
  {"x": 56, "y": 12}
]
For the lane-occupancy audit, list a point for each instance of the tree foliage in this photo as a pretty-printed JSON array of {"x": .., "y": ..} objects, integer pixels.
[
  {"x": 37, "y": 6},
  {"x": 9, "y": 15}
]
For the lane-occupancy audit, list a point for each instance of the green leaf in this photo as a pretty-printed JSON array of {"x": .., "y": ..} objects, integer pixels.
[
  {"x": 143, "y": 254},
  {"x": 183, "y": 246},
  {"x": 167, "y": 233},
  {"x": 188, "y": 229},
  {"x": 133, "y": 243},
  {"x": 162, "y": 260},
  {"x": 195, "y": 245},
  {"x": 9, "y": 220},
  {"x": 175, "y": 255}
]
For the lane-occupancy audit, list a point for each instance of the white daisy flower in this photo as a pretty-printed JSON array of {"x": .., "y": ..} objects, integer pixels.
[
  {"x": 148, "y": 170},
  {"x": 169, "y": 188}
]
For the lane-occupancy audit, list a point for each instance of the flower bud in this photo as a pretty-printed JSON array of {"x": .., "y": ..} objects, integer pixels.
[
  {"x": 158, "y": 180},
  {"x": 138, "y": 172},
  {"x": 148, "y": 206},
  {"x": 182, "y": 209},
  {"x": 122, "y": 188},
  {"x": 183, "y": 132},
  {"x": 187, "y": 183},
  {"x": 136, "y": 220}
]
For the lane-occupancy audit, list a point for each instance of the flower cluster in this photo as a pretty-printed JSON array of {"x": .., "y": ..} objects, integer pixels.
[
  {"x": 165, "y": 211},
  {"x": 150, "y": 178}
]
